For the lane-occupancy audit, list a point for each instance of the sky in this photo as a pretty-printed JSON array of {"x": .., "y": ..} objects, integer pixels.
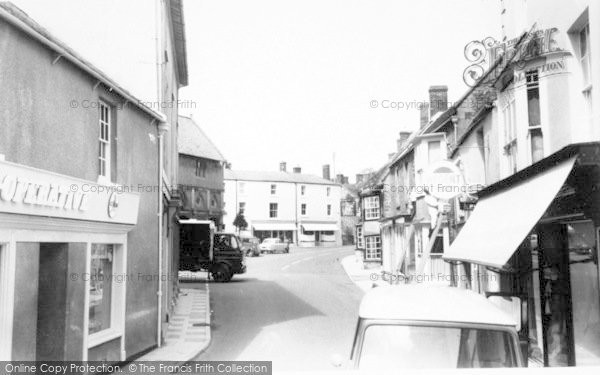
[{"x": 293, "y": 81}]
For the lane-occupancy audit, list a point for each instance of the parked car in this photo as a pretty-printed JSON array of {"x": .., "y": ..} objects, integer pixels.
[
  {"x": 250, "y": 246},
  {"x": 423, "y": 326},
  {"x": 274, "y": 245}
]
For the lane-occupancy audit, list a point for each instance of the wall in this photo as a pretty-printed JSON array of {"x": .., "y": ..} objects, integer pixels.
[
  {"x": 39, "y": 127},
  {"x": 187, "y": 173}
]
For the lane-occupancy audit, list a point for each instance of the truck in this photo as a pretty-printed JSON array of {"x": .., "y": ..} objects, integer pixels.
[{"x": 202, "y": 248}]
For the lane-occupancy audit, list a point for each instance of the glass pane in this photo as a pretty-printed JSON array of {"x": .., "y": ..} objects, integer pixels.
[
  {"x": 583, "y": 258},
  {"x": 537, "y": 145},
  {"x": 100, "y": 287},
  {"x": 414, "y": 347},
  {"x": 533, "y": 106}
]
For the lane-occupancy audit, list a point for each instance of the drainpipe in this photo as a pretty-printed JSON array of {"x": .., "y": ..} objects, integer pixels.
[{"x": 163, "y": 129}]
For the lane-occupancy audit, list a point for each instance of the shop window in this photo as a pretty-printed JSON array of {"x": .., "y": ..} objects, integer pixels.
[
  {"x": 273, "y": 189},
  {"x": 373, "y": 248},
  {"x": 328, "y": 210},
  {"x": 371, "y": 207},
  {"x": 201, "y": 167},
  {"x": 273, "y": 210},
  {"x": 101, "y": 287},
  {"x": 104, "y": 141},
  {"x": 303, "y": 209},
  {"x": 359, "y": 238}
]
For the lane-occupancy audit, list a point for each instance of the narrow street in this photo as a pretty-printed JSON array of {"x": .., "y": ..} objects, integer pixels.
[{"x": 295, "y": 309}]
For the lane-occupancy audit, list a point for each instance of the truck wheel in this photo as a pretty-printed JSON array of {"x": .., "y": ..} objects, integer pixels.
[{"x": 221, "y": 273}]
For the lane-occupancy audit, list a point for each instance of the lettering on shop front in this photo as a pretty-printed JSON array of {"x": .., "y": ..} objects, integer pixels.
[{"x": 19, "y": 190}]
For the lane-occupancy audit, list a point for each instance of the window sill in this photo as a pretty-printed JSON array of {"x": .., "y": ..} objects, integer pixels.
[{"x": 102, "y": 337}]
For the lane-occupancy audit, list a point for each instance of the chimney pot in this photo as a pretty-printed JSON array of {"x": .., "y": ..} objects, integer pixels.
[{"x": 297, "y": 170}]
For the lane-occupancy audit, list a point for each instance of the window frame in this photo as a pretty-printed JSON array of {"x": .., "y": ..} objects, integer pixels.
[
  {"x": 372, "y": 207},
  {"x": 104, "y": 140},
  {"x": 242, "y": 207},
  {"x": 303, "y": 209},
  {"x": 273, "y": 210},
  {"x": 329, "y": 210},
  {"x": 273, "y": 189},
  {"x": 377, "y": 249},
  {"x": 359, "y": 238},
  {"x": 302, "y": 189},
  {"x": 201, "y": 168}
]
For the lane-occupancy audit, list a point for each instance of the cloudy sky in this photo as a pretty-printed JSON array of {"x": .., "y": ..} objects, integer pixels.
[{"x": 294, "y": 81}]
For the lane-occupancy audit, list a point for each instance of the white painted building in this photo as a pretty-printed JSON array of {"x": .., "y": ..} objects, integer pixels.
[{"x": 300, "y": 208}]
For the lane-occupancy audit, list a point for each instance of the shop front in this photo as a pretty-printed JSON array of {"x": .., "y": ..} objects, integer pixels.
[
  {"x": 319, "y": 234},
  {"x": 534, "y": 237},
  {"x": 285, "y": 231},
  {"x": 63, "y": 266}
]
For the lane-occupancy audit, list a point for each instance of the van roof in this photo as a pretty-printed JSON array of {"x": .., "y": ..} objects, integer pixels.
[{"x": 432, "y": 304}]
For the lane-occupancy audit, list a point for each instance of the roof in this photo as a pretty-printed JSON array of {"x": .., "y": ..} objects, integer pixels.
[
  {"x": 19, "y": 19},
  {"x": 192, "y": 141},
  {"x": 176, "y": 12},
  {"x": 300, "y": 178},
  {"x": 429, "y": 303}
]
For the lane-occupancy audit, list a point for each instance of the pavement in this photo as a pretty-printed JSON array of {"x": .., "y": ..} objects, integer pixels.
[
  {"x": 188, "y": 332},
  {"x": 298, "y": 310},
  {"x": 365, "y": 279}
]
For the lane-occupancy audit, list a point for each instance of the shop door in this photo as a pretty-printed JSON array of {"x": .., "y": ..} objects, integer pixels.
[{"x": 317, "y": 238}]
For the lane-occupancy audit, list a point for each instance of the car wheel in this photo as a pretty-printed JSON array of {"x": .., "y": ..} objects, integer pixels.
[{"x": 221, "y": 273}]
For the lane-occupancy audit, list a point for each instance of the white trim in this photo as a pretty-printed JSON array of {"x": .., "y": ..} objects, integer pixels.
[
  {"x": 86, "y": 300},
  {"x": 7, "y": 305}
]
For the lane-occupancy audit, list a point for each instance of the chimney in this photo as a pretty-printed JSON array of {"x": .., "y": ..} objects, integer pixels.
[
  {"x": 359, "y": 178},
  {"x": 326, "y": 172},
  {"x": 438, "y": 99},
  {"x": 402, "y": 140},
  {"x": 283, "y": 166},
  {"x": 344, "y": 180},
  {"x": 424, "y": 114},
  {"x": 297, "y": 170},
  {"x": 339, "y": 178}
]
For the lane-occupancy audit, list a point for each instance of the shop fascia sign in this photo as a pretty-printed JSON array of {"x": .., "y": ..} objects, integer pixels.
[{"x": 29, "y": 191}]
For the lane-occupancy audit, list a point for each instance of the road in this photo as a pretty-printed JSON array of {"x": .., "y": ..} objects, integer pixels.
[{"x": 297, "y": 310}]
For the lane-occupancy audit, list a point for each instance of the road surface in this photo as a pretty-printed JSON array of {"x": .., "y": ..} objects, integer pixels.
[{"x": 297, "y": 310}]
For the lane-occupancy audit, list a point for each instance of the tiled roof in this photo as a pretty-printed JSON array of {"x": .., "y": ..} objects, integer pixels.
[
  {"x": 191, "y": 140},
  {"x": 276, "y": 177}
]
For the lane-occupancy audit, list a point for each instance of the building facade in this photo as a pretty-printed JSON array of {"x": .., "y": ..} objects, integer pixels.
[
  {"x": 78, "y": 169},
  {"x": 201, "y": 167},
  {"x": 297, "y": 208}
]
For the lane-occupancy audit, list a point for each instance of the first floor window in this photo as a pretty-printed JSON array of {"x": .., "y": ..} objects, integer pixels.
[
  {"x": 359, "y": 238},
  {"x": 104, "y": 141},
  {"x": 371, "y": 207},
  {"x": 201, "y": 168},
  {"x": 328, "y": 210},
  {"x": 101, "y": 275},
  {"x": 303, "y": 209},
  {"x": 273, "y": 210},
  {"x": 302, "y": 190},
  {"x": 328, "y": 191},
  {"x": 373, "y": 248},
  {"x": 273, "y": 189},
  {"x": 242, "y": 207}
]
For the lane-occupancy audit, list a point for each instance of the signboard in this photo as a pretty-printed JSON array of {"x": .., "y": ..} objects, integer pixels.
[
  {"x": 29, "y": 191},
  {"x": 444, "y": 180}
]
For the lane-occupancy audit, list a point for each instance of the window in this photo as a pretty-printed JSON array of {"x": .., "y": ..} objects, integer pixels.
[
  {"x": 104, "y": 141},
  {"x": 359, "y": 238},
  {"x": 510, "y": 133},
  {"x": 586, "y": 64},
  {"x": 536, "y": 140},
  {"x": 373, "y": 248},
  {"x": 242, "y": 187},
  {"x": 101, "y": 287},
  {"x": 328, "y": 210},
  {"x": 273, "y": 189},
  {"x": 273, "y": 210},
  {"x": 201, "y": 168},
  {"x": 303, "y": 209},
  {"x": 214, "y": 199},
  {"x": 371, "y": 207},
  {"x": 433, "y": 151},
  {"x": 302, "y": 190},
  {"x": 242, "y": 207},
  {"x": 328, "y": 191}
]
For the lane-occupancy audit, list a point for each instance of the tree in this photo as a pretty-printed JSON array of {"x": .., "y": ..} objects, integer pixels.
[{"x": 240, "y": 222}]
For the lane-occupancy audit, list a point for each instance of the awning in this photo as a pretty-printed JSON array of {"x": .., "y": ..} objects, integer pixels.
[
  {"x": 320, "y": 227},
  {"x": 501, "y": 221},
  {"x": 274, "y": 226}
]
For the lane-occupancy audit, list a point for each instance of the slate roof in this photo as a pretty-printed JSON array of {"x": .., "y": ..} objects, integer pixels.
[
  {"x": 276, "y": 176},
  {"x": 192, "y": 141}
]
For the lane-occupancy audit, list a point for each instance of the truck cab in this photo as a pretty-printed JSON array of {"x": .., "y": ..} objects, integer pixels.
[
  {"x": 204, "y": 249},
  {"x": 424, "y": 327}
]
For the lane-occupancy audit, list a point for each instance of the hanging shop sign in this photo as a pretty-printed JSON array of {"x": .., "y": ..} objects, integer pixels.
[
  {"x": 29, "y": 191},
  {"x": 444, "y": 180}
]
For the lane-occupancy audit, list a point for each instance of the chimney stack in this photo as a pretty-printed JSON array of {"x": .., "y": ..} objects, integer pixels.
[
  {"x": 438, "y": 99},
  {"x": 402, "y": 140},
  {"x": 283, "y": 166},
  {"x": 359, "y": 178},
  {"x": 297, "y": 170},
  {"x": 326, "y": 172},
  {"x": 345, "y": 180}
]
